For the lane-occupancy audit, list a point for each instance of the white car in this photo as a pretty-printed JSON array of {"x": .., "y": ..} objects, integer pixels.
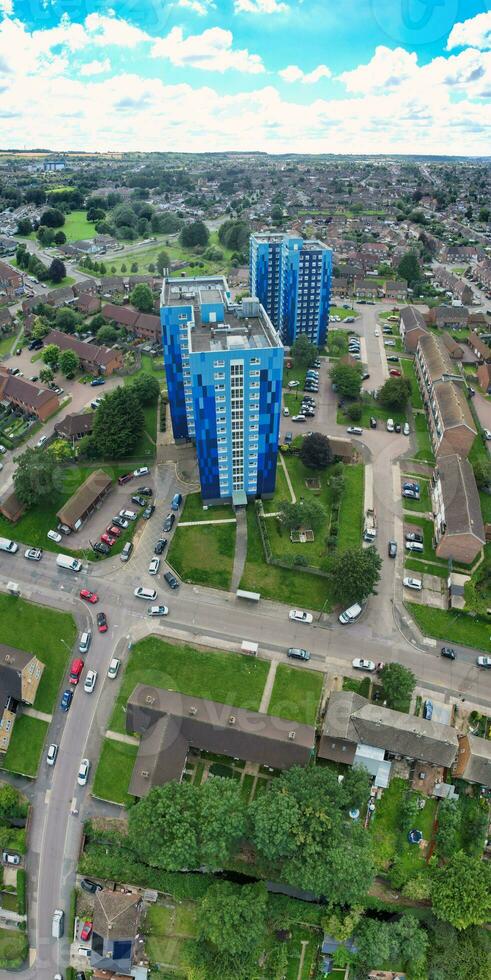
[
  {"x": 377, "y": 333},
  {"x": 406, "y": 429},
  {"x": 41, "y": 441},
  {"x": 299, "y": 616},
  {"x": 359, "y": 664},
  {"x": 149, "y": 594},
  {"x": 413, "y": 583},
  {"x": 298, "y": 418},
  {"x": 487, "y": 434},
  {"x": 157, "y": 611},
  {"x": 83, "y": 772},
  {"x": 2, "y": 449},
  {"x": 127, "y": 515},
  {"x": 90, "y": 681},
  {"x": 286, "y": 411},
  {"x": 142, "y": 471},
  {"x": 54, "y": 536},
  {"x": 484, "y": 662},
  {"x": 52, "y": 754},
  {"x": 33, "y": 554},
  {"x": 112, "y": 670},
  {"x": 293, "y": 384},
  {"x": 154, "y": 566}
]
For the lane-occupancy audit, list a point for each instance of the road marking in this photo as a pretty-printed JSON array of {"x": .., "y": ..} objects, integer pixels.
[{"x": 47, "y": 796}]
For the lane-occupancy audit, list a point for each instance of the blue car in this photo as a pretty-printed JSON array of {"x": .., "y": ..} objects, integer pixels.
[
  {"x": 428, "y": 710},
  {"x": 97, "y": 381},
  {"x": 66, "y": 700}
]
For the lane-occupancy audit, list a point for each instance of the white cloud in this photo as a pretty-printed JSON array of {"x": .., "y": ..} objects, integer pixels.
[
  {"x": 388, "y": 69},
  {"x": 201, "y": 7},
  {"x": 96, "y": 67},
  {"x": 295, "y": 74},
  {"x": 259, "y": 6},
  {"x": 475, "y": 32},
  {"x": 6, "y": 7},
  {"x": 211, "y": 51},
  {"x": 112, "y": 30}
]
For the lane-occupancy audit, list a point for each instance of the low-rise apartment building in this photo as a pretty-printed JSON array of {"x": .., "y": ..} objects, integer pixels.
[
  {"x": 450, "y": 421},
  {"x": 412, "y": 326},
  {"x": 479, "y": 348},
  {"x": 484, "y": 377},
  {"x": 395, "y": 289},
  {"x": 454, "y": 285},
  {"x": 97, "y": 360},
  {"x": 365, "y": 289},
  {"x": 449, "y": 317},
  {"x": 459, "y": 528},
  {"x": 31, "y": 398},
  {"x": 11, "y": 281},
  {"x": 20, "y": 674}
]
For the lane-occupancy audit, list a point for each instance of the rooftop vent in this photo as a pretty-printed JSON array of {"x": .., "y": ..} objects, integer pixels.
[
  {"x": 145, "y": 773},
  {"x": 292, "y": 735},
  {"x": 149, "y": 699},
  {"x": 193, "y": 710}
]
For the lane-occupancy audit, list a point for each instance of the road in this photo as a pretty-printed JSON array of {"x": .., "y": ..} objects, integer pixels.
[{"x": 210, "y": 617}]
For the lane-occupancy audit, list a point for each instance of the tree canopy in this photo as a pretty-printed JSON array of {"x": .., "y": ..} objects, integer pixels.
[
  {"x": 146, "y": 388},
  {"x": 303, "y": 351},
  {"x": 461, "y": 891},
  {"x": 118, "y": 423},
  {"x": 69, "y": 363},
  {"x": 52, "y": 218},
  {"x": 354, "y": 574},
  {"x": 308, "y": 513},
  {"x": 195, "y": 233},
  {"x": 232, "y": 929},
  {"x": 57, "y": 271},
  {"x": 395, "y": 393},
  {"x": 398, "y": 683},
  {"x": 234, "y": 234},
  {"x": 51, "y": 355},
  {"x": 163, "y": 262},
  {"x": 34, "y": 478},
  {"x": 347, "y": 379},
  {"x": 315, "y": 451},
  {"x": 409, "y": 269},
  {"x": 142, "y": 298}
]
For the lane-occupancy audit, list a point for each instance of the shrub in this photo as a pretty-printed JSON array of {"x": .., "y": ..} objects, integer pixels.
[{"x": 21, "y": 891}]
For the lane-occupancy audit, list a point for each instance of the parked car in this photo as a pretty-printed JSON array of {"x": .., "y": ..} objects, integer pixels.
[
  {"x": 33, "y": 554},
  {"x": 41, "y": 441},
  {"x": 395, "y": 373},
  {"x": 120, "y": 522},
  {"x": 90, "y": 681},
  {"x": 75, "y": 671},
  {"x": 428, "y": 709},
  {"x": 52, "y": 754},
  {"x": 354, "y": 430},
  {"x": 96, "y": 382},
  {"x": 125, "y": 478},
  {"x": 169, "y": 522},
  {"x": 54, "y": 536},
  {"x": 86, "y": 931},
  {"x": 141, "y": 471},
  {"x": 9, "y": 858},
  {"x": 360, "y": 664},
  {"x": 157, "y": 611},
  {"x": 176, "y": 501},
  {"x": 112, "y": 670},
  {"x": 154, "y": 566},
  {"x": 171, "y": 580},
  {"x": 373, "y": 422},
  {"x": 113, "y": 530},
  {"x": 288, "y": 437},
  {"x": 102, "y": 622},
  {"x": 392, "y": 549},
  {"x": 409, "y": 485},
  {"x": 127, "y": 515},
  {"x": 293, "y": 384},
  {"x": 299, "y": 616},
  {"x": 90, "y": 886},
  {"x": 145, "y": 491},
  {"x": 414, "y": 546},
  {"x": 298, "y": 653},
  {"x": 448, "y": 652},
  {"x": 414, "y": 536},
  {"x": 160, "y": 546},
  {"x": 413, "y": 583},
  {"x": 397, "y": 427},
  {"x": 108, "y": 539},
  {"x": 484, "y": 662},
  {"x": 286, "y": 411},
  {"x": 83, "y": 772},
  {"x": 298, "y": 418},
  {"x": 89, "y": 596},
  {"x": 406, "y": 429},
  {"x": 410, "y": 494},
  {"x": 66, "y": 700},
  {"x": 142, "y": 593},
  {"x": 149, "y": 510},
  {"x": 139, "y": 501}
]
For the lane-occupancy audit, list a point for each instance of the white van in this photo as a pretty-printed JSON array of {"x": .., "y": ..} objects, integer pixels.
[
  {"x": 349, "y": 615},
  {"x": 7, "y": 545},
  {"x": 390, "y": 425},
  {"x": 58, "y": 924},
  {"x": 73, "y": 564},
  {"x": 414, "y": 546},
  {"x": 85, "y": 641},
  {"x": 247, "y": 646}
]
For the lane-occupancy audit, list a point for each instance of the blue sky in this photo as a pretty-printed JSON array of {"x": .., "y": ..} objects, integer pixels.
[{"x": 277, "y": 75}]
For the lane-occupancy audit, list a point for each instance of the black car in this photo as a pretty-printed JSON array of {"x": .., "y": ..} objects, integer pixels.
[
  {"x": 160, "y": 546},
  {"x": 35, "y": 345},
  {"x": 147, "y": 513},
  {"x": 393, "y": 359},
  {"x": 101, "y": 548},
  {"x": 392, "y": 549},
  {"x": 139, "y": 501},
  {"x": 373, "y": 422},
  {"x": 171, "y": 580},
  {"x": 144, "y": 491},
  {"x": 169, "y": 522},
  {"x": 90, "y": 886},
  {"x": 80, "y": 975},
  {"x": 448, "y": 653},
  {"x": 397, "y": 427}
]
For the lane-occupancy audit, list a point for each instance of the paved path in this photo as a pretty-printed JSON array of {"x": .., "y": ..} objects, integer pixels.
[
  {"x": 268, "y": 687},
  {"x": 287, "y": 478},
  {"x": 126, "y": 739},
  {"x": 304, "y": 945},
  {"x": 34, "y": 713},
  {"x": 240, "y": 548},
  {"x": 225, "y": 520}
]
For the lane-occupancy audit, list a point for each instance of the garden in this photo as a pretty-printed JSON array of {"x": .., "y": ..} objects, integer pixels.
[
  {"x": 204, "y": 554},
  {"x": 114, "y": 771},
  {"x": 296, "y": 694},
  {"x": 399, "y": 811}
]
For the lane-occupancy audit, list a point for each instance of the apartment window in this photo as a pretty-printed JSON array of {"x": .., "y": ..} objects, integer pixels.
[
  {"x": 220, "y": 399},
  {"x": 219, "y": 376},
  {"x": 255, "y": 360}
]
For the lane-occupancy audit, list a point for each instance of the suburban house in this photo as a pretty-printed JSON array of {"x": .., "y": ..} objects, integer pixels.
[
  {"x": 448, "y": 317},
  {"x": 74, "y": 426},
  {"x": 474, "y": 760},
  {"x": 11, "y": 507},
  {"x": 31, "y": 398},
  {"x": 171, "y": 723},
  {"x": 455, "y": 350},
  {"x": 484, "y": 377},
  {"x": 85, "y": 286},
  {"x": 20, "y": 674},
  {"x": 412, "y": 326},
  {"x": 11, "y": 281},
  {"x": 149, "y": 327},
  {"x": 365, "y": 289},
  {"x": 144, "y": 325},
  {"x": 115, "y": 927},
  {"x": 479, "y": 348},
  {"x": 112, "y": 286},
  {"x": 87, "y": 303},
  {"x": 396, "y": 289},
  {"x": 6, "y": 320},
  {"x": 459, "y": 528},
  {"x": 340, "y": 286},
  {"x": 60, "y": 297},
  {"x": 85, "y": 500},
  {"x": 483, "y": 273},
  {"x": 97, "y": 360},
  {"x": 454, "y": 285}
]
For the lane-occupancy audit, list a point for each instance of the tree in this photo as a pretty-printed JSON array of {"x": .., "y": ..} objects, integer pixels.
[
  {"x": 52, "y": 218},
  {"x": 341, "y": 925},
  {"x": 482, "y": 472},
  {"x": 106, "y": 334},
  {"x": 306, "y": 513},
  {"x": 45, "y": 236},
  {"x": 373, "y": 943},
  {"x": 60, "y": 238},
  {"x": 51, "y": 355},
  {"x": 468, "y": 952},
  {"x": 274, "y": 818},
  {"x": 231, "y": 929},
  {"x": 354, "y": 574},
  {"x": 347, "y": 379},
  {"x": 67, "y": 320},
  {"x": 316, "y": 451},
  {"x": 409, "y": 269},
  {"x": 9, "y": 800},
  {"x": 40, "y": 329},
  {"x": 24, "y": 227},
  {"x": 354, "y": 411},
  {"x": 234, "y": 235},
  {"x": 134, "y": 267},
  {"x": 398, "y": 683},
  {"x": 69, "y": 363},
  {"x": 61, "y": 450},
  {"x": 118, "y": 423},
  {"x": 57, "y": 271},
  {"x": 222, "y": 820},
  {"x": 461, "y": 891},
  {"x": 449, "y": 819},
  {"x": 196, "y": 233},
  {"x": 146, "y": 388},
  {"x": 484, "y": 214},
  {"x": 141, "y": 297},
  {"x": 46, "y": 375},
  {"x": 34, "y": 476},
  {"x": 395, "y": 393},
  {"x": 163, "y": 828},
  {"x": 163, "y": 262},
  {"x": 303, "y": 351}
]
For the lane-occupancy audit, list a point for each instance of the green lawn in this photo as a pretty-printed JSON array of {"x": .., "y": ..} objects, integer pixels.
[
  {"x": 296, "y": 694},
  {"x": 204, "y": 554},
  {"x": 351, "y": 512},
  {"x": 114, "y": 770},
  {"x": 146, "y": 256},
  {"x": 423, "y": 505},
  {"x": 340, "y": 311},
  {"x": 26, "y": 746},
  {"x": 282, "y": 584},
  {"x": 427, "y": 529},
  {"x": 13, "y": 948},
  {"x": 453, "y": 626},
  {"x": 192, "y": 510},
  {"x": 77, "y": 227},
  {"x": 43, "y": 631},
  {"x": 228, "y": 678},
  {"x": 409, "y": 372},
  {"x": 424, "y": 567},
  {"x": 281, "y": 492},
  {"x": 390, "y": 841},
  {"x": 168, "y": 930},
  {"x": 371, "y": 407},
  {"x": 425, "y": 451}
]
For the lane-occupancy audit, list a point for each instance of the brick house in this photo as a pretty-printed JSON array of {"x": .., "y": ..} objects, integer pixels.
[
  {"x": 60, "y": 297},
  {"x": 31, "y": 398},
  {"x": 455, "y": 350},
  {"x": 412, "y": 326},
  {"x": 458, "y": 524},
  {"x": 85, "y": 500},
  {"x": 20, "y": 674},
  {"x": 479, "y": 348},
  {"x": 97, "y": 360},
  {"x": 396, "y": 289},
  {"x": 112, "y": 286},
  {"x": 365, "y": 289},
  {"x": 484, "y": 377},
  {"x": 87, "y": 304},
  {"x": 74, "y": 426},
  {"x": 340, "y": 286},
  {"x": 11, "y": 281},
  {"x": 450, "y": 421},
  {"x": 124, "y": 316},
  {"x": 149, "y": 327},
  {"x": 449, "y": 317}
]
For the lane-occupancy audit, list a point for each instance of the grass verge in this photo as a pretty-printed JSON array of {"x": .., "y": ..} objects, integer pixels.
[
  {"x": 26, "y": 746},
  {"x": 204, "y": 554},
  {"x": 454, "y": 627},
  {"x": 114, "y": 770},
  {"x": 296, "y": 694}
]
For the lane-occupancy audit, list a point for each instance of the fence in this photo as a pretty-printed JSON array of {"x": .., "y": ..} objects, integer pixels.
[{"x": 268, "y": 553}]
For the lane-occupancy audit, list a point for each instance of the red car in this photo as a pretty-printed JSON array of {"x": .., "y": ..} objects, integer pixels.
[
  {"x": 89, "y": 596},
  {"x": 101, "y": 622},
  {"x": 125, "y": 479},
  {"x": 108, "y": 539},
  {"x": 75, "y": 671},
  {"x": 86, "y": 931},
  {"x": 394, "y": 373},
  {"x": 113, "y": 530}
]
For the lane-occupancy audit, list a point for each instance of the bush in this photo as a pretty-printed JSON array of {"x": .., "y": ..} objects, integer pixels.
[
  {"x": 120, "y": 865},
  {"x": 72, "y": 911},
  {"x": 21, "y": 891},
  {"x": 354, "y": 411}
]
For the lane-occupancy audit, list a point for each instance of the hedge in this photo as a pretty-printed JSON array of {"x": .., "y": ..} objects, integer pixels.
[
  {"x": 72, "y": 913},
  {"x": 21, "y": 891},
  {"x": 123, "y": 867}
]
